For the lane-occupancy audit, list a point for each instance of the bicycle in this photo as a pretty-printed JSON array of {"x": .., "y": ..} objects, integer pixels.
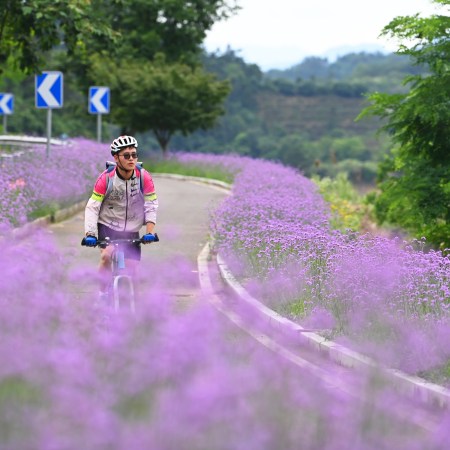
[{"x": 121, "y": 286}]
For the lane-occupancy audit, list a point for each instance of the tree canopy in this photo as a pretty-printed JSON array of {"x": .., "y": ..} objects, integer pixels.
[
  {"x": 29, "y": 28},
  {"x": 174, "y": 27},
  {"x": 164, "y": 97},
  {"x": 125, "y": 36},
  {"x": 415, "y": 178}
]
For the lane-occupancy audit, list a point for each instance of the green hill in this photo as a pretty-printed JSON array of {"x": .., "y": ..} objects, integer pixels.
[
  {"x": 304, "y": 116},
  {"x": 316, "y": 116}
]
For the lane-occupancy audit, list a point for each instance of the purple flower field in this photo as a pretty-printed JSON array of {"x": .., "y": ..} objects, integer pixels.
[
  {"x": 75, "y": 376},
  {"x": 386, "y": 298},
  {"x": 32, "y": 180}
]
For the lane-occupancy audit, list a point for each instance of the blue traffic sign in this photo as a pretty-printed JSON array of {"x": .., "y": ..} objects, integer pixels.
[
  {"x": 49, "y": 90},
  {"x": 6, "y": 103},
  {"x": 99, "y": 100}
]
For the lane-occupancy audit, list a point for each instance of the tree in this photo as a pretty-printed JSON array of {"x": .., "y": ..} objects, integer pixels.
[
  {"x": 295, "y": 151},
  {"x": 174, "y": 27},
  {"x": 76, "y": 36},
  {"x": 29, "y": 28},
  {"x": 174, "y": 30},
  {"x": 414, "y": 179},
  {"x": 163, "y": 97},
  {"x": 246, "y": 79},
  {"x": 145, "y": 28}
]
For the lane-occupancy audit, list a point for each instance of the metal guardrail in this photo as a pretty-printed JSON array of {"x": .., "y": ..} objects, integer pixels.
[
  {"x": 15, "y": 146},
  {"x": 27, "y": 140}
]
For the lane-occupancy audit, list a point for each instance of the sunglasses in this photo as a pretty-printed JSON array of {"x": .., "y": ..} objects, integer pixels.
[{"x": 133, "y": 155}]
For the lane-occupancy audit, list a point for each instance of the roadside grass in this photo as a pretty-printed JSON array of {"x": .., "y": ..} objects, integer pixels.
[
  {"x": 43, "y": 210},
  {"x": 173, "y": 166},
  {"x": 350, "y": 210},
  {"x": 19, "y": 397},
  {"x": 439, "y": 375}
]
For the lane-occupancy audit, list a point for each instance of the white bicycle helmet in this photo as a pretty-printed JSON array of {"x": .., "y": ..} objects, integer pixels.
[{"x": 123, "y": 142}]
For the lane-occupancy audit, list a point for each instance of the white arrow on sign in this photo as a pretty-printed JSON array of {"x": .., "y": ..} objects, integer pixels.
[
  {"x": 97, "y": 100},
  {"x": 6, "y": 104},
  {"x": 44, "y": 90}
]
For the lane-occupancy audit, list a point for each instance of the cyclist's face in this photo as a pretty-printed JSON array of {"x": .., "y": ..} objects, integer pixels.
[{"x": 127, "y": 157}]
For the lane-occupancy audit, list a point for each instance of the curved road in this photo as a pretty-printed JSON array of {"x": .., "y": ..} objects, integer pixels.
[{"x": 183, "y": 218}]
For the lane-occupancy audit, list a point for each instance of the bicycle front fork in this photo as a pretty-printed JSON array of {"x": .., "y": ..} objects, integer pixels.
[{"x": 123, "y": 287}]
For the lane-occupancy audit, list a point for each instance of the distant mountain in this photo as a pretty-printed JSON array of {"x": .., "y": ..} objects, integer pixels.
[
  {"x": 375, "y": 71},
  {"x": 284, "y": 58},
  {"x": 304, "y": 116},
  {"x": 334, "y": 53},
  {"x": 287, "y": 56}
]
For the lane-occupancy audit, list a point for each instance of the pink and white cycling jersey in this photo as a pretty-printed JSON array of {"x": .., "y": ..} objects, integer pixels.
[{"x": 125, "y": 208}]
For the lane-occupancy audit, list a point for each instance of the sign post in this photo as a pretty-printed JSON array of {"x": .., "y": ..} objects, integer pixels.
[
  {"x": 99, "y": 99},
  {"x": 49, "y": 95},
  {"x": 6, "y": 108}
]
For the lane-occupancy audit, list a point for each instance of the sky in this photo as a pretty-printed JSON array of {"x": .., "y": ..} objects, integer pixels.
[{"x": 277, "y": 34}]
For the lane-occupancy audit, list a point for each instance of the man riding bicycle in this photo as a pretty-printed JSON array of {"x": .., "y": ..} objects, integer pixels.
[{"x": 123, "y": 200}]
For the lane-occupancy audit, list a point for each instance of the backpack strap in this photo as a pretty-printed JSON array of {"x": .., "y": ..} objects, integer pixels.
[
  {"x": 110, "y": 168},
  {"x": 141, "y": 170}
]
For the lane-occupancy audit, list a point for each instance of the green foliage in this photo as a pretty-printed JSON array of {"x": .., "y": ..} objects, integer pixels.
[
  {"x": 414, "y": 178},
  {"x": 175, "y": 167},
  {"x": 163, "y": 97},
  {"x": 307, "y": 88},
  {"x": 261, "y": 120},
  {"x": 246, "y": 79},
  {"x": 18, "y": 397},
  {"x": 307, "y": 121},
  {"x": 349, "y": 211},
  {"x": 358, "y": 172},
  {"x": 438, "y": 375},
  {"x": 295, "y": 151},
  {"x": 155, "y": 79},
  {"x": 30, "y": 29},
  {"x": 173, "y": 27},
  {"x": 416, "y": 197},
  {"x": 163, "y": 94}
]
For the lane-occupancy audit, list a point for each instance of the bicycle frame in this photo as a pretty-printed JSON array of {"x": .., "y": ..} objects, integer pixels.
[{"x": 119, "y": 277}]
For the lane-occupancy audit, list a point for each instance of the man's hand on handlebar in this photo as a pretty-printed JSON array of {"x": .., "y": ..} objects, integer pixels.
[
  {"x": 89, "y": 241},
  {"x": 92, "y": 241},
  {"x": 149, "y": 237}
]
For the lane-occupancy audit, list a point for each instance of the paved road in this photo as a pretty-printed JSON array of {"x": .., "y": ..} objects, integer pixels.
[{"x": 183, "y": 218}]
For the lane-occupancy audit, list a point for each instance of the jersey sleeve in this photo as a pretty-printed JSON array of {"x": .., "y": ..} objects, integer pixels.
[
  {"x": 94, "y": 204},
  {"x": 98, "y": 194},
  {"x": 150, "y": 198}
]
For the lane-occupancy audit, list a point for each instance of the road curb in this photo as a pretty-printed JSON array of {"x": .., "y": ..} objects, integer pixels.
[{"x": 430, "y": 393}]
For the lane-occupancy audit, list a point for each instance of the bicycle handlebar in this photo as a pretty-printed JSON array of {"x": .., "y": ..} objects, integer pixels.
[{"x": 107, "y": 241}]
